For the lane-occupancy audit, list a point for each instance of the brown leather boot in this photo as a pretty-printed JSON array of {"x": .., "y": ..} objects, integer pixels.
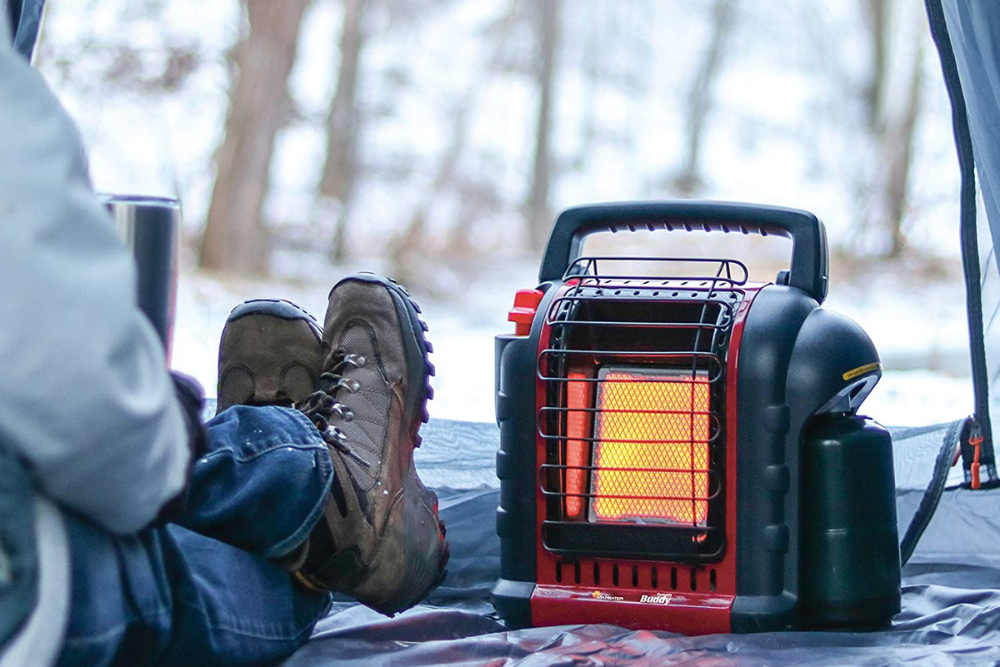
[
  {"x": 381, "y": 539},
  {"x": 271, "y": 353}
]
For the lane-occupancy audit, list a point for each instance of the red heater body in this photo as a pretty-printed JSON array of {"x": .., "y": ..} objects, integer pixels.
[{"x": 665, "y": 451}]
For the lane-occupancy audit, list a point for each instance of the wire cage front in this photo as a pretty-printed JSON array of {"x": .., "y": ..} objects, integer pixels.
[{"x": 633, "y": 417}]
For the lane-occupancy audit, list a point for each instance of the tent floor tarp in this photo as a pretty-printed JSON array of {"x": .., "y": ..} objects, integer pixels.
[{"x": 951, "y": 590}]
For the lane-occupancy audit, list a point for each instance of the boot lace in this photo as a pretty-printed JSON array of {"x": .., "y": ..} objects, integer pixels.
[{"x": 322, "y": 405}]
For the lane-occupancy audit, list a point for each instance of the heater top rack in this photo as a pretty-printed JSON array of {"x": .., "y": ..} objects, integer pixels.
[
  {"x": 729, "y": 273},
  {"x": 712, "y": 298}
]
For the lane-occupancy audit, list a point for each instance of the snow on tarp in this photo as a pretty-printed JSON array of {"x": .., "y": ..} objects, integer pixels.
[{"x": 951, "y": 587}]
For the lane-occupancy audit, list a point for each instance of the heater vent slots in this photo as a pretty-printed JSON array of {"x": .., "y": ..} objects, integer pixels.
[
  {"x": 633, "y": 417},
  {"x": 639, "y": 576}
]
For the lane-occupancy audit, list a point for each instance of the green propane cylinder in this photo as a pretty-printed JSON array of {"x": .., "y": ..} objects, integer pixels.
[{"x": 850, "y": 548}]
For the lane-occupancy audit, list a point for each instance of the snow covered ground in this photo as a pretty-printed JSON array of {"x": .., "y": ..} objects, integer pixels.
[{"x": 923, "y": 342}]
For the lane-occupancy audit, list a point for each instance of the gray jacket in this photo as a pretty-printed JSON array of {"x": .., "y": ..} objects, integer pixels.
[{"x": 85, "y": 398}]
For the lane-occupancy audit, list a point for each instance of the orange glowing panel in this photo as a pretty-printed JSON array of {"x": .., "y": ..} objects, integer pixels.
[
  {"x": 651, "y": 454},
  {"x": 578, "y": 424}
]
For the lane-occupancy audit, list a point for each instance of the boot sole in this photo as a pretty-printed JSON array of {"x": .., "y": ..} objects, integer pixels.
[
  {"x": 417, "y": 347},
  {"x": 279, "y": 308}
]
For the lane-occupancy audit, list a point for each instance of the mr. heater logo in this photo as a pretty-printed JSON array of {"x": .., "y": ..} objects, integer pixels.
[
  {"x": 659, "y": 598},
  {"x": 598, "y": 595}
]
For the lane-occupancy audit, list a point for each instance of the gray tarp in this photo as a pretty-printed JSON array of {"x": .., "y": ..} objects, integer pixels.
[{"x": 951, "y": 601}]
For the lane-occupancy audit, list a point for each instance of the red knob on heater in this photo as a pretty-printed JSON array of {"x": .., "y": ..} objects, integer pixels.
[{"x": 523, "y": 313}]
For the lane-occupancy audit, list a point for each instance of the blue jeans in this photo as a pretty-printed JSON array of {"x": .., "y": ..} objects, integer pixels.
[{"x": 202, "y": 591}]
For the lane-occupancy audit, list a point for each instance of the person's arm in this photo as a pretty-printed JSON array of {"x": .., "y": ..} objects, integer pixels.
[{"x": 85, "y": 396}]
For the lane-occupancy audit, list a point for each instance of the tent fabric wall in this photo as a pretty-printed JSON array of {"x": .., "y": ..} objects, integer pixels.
[
  {"x": 967, "y": 34},
  {"x": 922, "y": 458},
  {"x": 25, "y": 19}
]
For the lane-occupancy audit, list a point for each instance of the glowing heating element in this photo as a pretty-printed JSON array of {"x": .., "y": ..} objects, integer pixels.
[
  {"x": 578, "y": 424},
  {"x": 651, "y": 449}
]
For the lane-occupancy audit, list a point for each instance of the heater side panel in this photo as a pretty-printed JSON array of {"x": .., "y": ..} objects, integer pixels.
[
  {"x": 516, "y": 364},
  {"x": 768, "y": 465}
]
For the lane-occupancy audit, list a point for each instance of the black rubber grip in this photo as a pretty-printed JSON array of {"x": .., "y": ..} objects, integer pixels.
[{"x": 810, "y": 256}]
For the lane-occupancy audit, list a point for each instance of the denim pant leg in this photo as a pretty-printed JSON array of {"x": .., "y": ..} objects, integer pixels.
[
  {"x": 264, "y": 482},
  {"x": 174, "y": 596}
]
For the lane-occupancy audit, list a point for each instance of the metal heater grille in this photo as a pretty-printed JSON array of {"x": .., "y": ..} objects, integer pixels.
[{"x": 632, "y": 419}]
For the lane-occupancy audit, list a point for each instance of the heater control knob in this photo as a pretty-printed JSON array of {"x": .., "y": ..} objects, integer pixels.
[{"x": 523, "y": 313}]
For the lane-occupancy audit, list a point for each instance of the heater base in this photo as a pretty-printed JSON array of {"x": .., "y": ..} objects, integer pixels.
[
  {"x": 764, "y": 613},
  {"x": 684, "y": 613},
  {"x": 512, "y": 600}
]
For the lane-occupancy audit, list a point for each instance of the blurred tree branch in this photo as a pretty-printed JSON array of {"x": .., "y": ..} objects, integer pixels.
[{"x": 406, "y": 262}]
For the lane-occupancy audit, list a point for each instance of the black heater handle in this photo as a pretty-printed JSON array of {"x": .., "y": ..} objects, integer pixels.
[{"x": 810, "y": 255}]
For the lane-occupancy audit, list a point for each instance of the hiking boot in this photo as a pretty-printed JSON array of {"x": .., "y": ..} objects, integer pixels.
[
  {"x": 271, "y": 353},
  {"x": 381, "y": 539}
]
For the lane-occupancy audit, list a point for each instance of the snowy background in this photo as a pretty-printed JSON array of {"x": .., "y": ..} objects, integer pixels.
[{"x": 148, "y": 82}]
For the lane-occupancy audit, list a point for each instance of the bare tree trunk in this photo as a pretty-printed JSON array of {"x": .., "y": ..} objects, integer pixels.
[
  {"x": 876, "y": 14},
  {"x": 235, "y": 239},
  {"x": 593, "y": 55},
  {"x": 340, "y": 170},
  {"x": 537, "y": 207},
  {"x": 699, "y": 106},
  {"x": 892, "y": 99},
  {"x": 899, "y": 154}
]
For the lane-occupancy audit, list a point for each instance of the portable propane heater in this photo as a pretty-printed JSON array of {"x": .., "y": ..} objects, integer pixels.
[{"x": 683, "y": 453}]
